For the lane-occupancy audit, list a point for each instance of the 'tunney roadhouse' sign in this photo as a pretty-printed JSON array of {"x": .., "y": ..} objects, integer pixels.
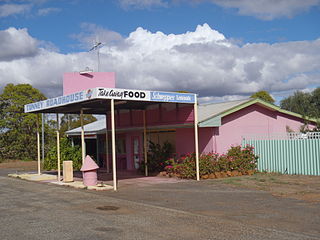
[{"x": 54, "y": 102}]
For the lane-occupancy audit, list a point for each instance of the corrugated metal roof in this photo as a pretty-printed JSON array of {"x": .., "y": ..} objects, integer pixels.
[
  {"x": 94, "y": 127},
  {"x": 207, "y": 111}
]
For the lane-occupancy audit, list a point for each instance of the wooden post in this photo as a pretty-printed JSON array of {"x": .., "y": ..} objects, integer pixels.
[
  {"x": 195, "y": 112},
  {"x": 145, "y": 143},
  {"x": 58, "y": 148},
  {"x": 83, "y": 146},
  {"x": 38, "y": 144},
  {"x": 42, "y": 136},
  {"x": 107, "y": 145},
  {"x": 113, "y": 139}
]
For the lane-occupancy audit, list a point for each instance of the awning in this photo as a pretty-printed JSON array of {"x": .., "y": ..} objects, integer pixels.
[{"x": 94, "y": 101}]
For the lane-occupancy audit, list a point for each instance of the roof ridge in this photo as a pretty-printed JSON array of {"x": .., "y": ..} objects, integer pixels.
[{"x": 213, "y": 103}]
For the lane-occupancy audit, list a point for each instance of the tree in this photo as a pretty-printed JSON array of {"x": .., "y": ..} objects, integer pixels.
[
  {"x": 315, "y": 103},
  {"x": 306, "y": 104},
  {"x": 264, "y": 95},
  {"x": 67, "y": 153},
  {"x": 18, "y": 129},
  {"x": 299, "y": 102}
]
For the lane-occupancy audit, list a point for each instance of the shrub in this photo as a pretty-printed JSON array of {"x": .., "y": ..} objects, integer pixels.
[
  {"x": 67, "y": 153},
  {"x": 237, "y": 158},
  {"x": 185, "y": 167},
  {"x": 242, "y": 159}
]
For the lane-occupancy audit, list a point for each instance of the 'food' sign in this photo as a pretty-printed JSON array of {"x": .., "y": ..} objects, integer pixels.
[{"x": 123, "y": 94}]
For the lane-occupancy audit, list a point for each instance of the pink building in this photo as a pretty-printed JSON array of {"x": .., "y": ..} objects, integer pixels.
[
  {"x": 75, "y": 82},
  {"x": 221, "y": 125}
]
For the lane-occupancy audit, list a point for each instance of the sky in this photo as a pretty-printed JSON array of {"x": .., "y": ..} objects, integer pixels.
[{"x": 221, "y": 49}]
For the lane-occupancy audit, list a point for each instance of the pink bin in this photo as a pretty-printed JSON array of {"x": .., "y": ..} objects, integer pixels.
[{"x": 89, "y": 172}]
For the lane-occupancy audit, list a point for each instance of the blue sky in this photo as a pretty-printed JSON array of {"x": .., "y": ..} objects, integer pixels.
[{"x": 223, "y": 50}]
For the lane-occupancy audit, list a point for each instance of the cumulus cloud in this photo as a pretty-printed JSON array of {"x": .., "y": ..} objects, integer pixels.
[
  {"x": 201, "y": 61},
  {"x": 16, "y": 44}
]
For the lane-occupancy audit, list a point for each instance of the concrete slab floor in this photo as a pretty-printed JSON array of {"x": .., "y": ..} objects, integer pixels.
[
  {"x": 123, "y": 182},
  {"x": 52, "y": 179}
]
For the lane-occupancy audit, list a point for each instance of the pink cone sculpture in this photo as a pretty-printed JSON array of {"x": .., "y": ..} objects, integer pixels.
[{"x": 89, "y": 172}]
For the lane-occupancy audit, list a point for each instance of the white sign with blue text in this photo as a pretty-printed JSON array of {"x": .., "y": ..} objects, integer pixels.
[
  {"x": 172, "y": 97},
  {"x": 55, "y": 102},
  {"x": 111, "y": 93}
]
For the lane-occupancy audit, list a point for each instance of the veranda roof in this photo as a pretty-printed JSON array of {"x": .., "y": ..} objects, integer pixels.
[{"x": 96, "y": 100}]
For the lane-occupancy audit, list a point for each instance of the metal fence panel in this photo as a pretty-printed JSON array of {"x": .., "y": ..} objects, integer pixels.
[{"x": 293, "y": 153}]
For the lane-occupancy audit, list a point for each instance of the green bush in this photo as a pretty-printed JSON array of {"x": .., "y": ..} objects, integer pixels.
[
  {"x": 242, "y": 159},
  {"x": 237, "y": 158},
  {"x": 67, "y": 153},
  {"x": 185, "y": 167}
]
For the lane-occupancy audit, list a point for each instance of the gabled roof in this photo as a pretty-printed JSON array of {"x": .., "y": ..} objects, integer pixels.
[
  {"x": 211, "y": 114},
  {"x": 207, "y": 111}
]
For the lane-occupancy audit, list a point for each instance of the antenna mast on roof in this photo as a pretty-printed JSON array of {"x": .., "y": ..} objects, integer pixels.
[{"x": 96, "y": 46}]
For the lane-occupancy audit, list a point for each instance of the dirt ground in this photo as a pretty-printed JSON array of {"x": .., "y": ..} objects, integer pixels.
[
  {"x": 299, "y": 187},
  {"x": 19, "y": 165}
]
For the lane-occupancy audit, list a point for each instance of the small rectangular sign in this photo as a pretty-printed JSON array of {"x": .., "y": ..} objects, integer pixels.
[{"x": 172, "y": 97}]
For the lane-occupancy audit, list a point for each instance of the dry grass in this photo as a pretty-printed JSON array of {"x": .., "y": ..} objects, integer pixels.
[
  {"x": 19, "y": 165},
  {"x": 292, "y": 186}
]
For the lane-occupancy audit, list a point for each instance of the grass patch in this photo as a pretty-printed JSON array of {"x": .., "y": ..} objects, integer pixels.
[
  {"x": 15, "y": 160},
  {"x": 267, "y": 178},
  {"x": 233, "y": 181},
  {"x": 281, "y": 182},
  {"x": 257, "y": 179}
]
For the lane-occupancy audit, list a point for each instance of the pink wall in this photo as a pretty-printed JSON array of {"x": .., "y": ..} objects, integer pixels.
[
  {"x": 75, "y": 82},
  {"x": 185, "y": 142},
  {"x": 164, "y": 114},
  {"x": 252, "y": 120}
]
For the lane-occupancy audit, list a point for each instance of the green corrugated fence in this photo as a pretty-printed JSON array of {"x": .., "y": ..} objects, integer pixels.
[{"x": 293, "y": 155}]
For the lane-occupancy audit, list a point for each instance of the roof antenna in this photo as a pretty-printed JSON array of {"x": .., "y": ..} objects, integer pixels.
[{"x": 96, "y": 46}]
